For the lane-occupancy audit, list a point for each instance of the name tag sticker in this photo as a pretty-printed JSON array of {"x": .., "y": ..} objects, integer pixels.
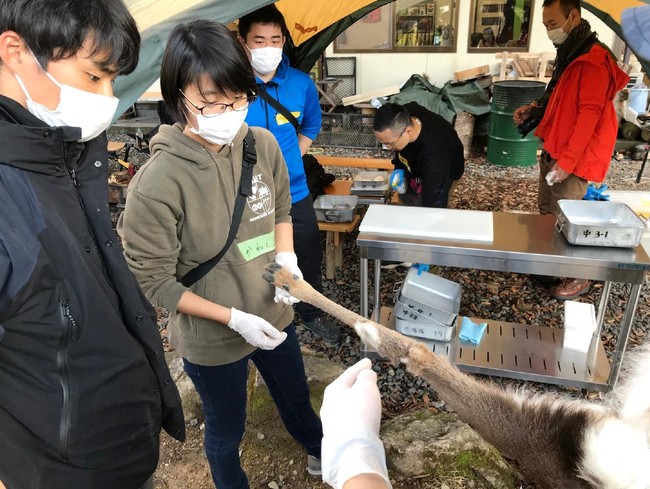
[{"x": 257, "y": 246}]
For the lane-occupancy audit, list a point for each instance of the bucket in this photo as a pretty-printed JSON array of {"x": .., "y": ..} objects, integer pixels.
[
  {"x": 638, "y": 99},
  {"x": 506, "y": 147}
]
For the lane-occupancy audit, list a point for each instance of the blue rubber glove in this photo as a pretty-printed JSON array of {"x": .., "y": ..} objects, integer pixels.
[
  {"x": 421, "y": 267},
  {"x": 397, "y": 181},
  {"x": 596, "y": 193}
]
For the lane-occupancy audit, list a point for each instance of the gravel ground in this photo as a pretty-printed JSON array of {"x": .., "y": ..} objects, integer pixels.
[{"x": 493, "y": 295}]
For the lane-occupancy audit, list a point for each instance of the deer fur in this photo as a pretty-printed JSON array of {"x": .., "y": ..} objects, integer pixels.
[{"x": 555, "y": 442}]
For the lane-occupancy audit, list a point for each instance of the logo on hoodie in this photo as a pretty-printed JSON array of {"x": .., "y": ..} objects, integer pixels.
[{"x": 261, "y": 202}]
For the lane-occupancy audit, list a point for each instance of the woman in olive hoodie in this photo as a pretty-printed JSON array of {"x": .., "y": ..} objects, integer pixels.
[{"x": 178, "y": 215}]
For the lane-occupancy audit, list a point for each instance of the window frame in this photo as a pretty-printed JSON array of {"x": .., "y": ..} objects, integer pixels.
[
  {"x": 406, "y": 49},
  {"x": 497, "y": 49},
  {"x": 391, "y": 30}
]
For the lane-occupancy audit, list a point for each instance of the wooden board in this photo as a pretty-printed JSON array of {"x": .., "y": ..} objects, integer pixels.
[
  {"x": 114, "y": 146},
  {"x": 471, "y": 73},
  {"x": 523, "y": 67},
  {"x": 365, "y": 96},
  {"x": 527, "y": 66},
  {"x": 338, "y": 187},
  {"x": 352, "y": 162}
]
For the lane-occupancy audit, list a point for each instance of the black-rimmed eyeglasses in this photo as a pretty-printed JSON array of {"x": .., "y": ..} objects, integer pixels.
[
  {"x": 217, "y": 108},
  {"x": 392, "y": 145}
]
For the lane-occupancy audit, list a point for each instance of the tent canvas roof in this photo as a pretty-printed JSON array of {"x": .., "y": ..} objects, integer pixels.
[{"x": 312, "y": 25}]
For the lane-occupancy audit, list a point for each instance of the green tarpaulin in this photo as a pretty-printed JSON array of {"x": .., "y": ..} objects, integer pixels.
[{"x": 446, "y": 101}]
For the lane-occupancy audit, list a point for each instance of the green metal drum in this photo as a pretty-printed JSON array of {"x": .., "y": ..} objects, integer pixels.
[{"x": 506, "y": 147}]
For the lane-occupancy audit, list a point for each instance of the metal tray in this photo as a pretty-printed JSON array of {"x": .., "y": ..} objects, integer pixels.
[
  {"x": 370, "y": 179},
  {"x": 596, "y": 223},
  {"x": 431, "y": 291},
  {"x": 427, "y": 331},
  {"x": 419, "y": 313},
  {"x": 370, "y": 191},
  {"x": 335, "y": 208}
]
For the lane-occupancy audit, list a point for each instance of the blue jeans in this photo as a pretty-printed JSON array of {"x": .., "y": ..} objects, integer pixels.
[{"x": 222, "y": 390}]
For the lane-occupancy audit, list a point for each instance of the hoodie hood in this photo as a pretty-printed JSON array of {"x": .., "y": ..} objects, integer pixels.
[{"x": 598, "y": 56}]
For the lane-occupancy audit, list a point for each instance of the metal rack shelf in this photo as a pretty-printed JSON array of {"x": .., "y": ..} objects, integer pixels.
[
  {"x": 522, "y": 351},
  {"x": 522, "y": 243}
]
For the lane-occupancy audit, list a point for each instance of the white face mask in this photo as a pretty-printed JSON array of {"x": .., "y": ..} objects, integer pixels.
[
  {"x": 265, "y": 60},
  {"x": 91, "y": 112},
  {"x": 220, "y": 129},
  {"x": 558, "y": 36}
]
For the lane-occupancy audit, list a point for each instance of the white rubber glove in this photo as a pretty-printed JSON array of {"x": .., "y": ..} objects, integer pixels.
[
  {"x": 550, "y": 178},
  {"x": 351, "y": 416},
  {"x": 255, "y": 330},
  {"x": 288, "y": 260}
]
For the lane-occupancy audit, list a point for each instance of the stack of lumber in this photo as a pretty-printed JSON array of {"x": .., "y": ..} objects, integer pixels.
[
  {"x": 526, "y": 66},
  {"x": 472, "y": 73},
  {"x": 366, "y": 96}
]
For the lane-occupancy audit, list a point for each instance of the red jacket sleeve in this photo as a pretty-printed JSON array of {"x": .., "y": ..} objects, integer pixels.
[{"x": 592, "y": 99}]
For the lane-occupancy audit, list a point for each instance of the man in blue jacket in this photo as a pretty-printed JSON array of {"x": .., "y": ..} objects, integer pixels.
[{"x": 262, "y": 35}]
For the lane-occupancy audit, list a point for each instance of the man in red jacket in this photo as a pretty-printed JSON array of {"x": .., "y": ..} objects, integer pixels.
[{"x": 577, "y": 119}]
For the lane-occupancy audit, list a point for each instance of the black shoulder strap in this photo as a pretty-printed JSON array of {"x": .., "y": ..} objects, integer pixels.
[
  {"x": 245, "y": 190},
  {"x": 264, "y": 95}
]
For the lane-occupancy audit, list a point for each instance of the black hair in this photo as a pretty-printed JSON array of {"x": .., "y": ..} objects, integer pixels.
[
  {"x": 565, "y": 5},
  {"x": 269, "y": 15},
  {"x": 58, "y": 29},
  {"x": 198, "y": 49},
  {"x": 391, "y": 116}
]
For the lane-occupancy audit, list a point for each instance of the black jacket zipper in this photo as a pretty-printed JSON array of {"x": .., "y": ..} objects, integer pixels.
[
  {"x": 70, "y": 333},
  {"x": 73, "y": 175}
]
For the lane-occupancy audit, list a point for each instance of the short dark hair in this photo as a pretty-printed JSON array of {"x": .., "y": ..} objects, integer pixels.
[
  {"x": 391, "y": 116},
  {"x": 269, "y": 15},
  {"x": 58, "y": 29},
  {"x": 198, "y": 49},
  {"x": 565, "y": 5}
]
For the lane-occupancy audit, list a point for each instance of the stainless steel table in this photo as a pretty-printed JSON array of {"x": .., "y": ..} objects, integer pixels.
[{"x": 523, "y": 243}]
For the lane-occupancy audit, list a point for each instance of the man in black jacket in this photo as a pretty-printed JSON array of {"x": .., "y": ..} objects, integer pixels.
[
  {"x": 429, "y": 156},
  {"x": 84, "y": 387}
]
